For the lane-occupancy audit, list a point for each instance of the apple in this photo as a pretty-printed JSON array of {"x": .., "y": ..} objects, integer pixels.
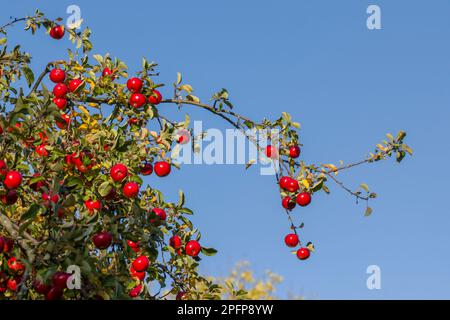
[
  {"x": 303, "y": 253},
  {"x": 137, "y": 100},
  {"x": 291, "y": 240},
  {"x": 118, "y": 172},
  {"x": 155, "y": 98},
  {"x": 93, "y": 205},
  {"x": 294, "y": 152},
  {"x": 15, "y": 265},
  {"x": 61, "y": 103},
  {"x": 10, "y": 197},
  {"x": 133, "y": 245},
  {"x": 130, "y": 189},
  {"x": 102, "y": 240},
  {"x": 54, "y": 293},
  {"x": 135, "y": 291},
  {"x": 175, "y": 242},
  {"x": 140, "y": 264},
  {"x": 287, "y": 203},
  {"x": 60, "y": 90},
  {"x": 40, "y": 150},
  {"x": 57, "y": 32},
  {"x": 59, "y": 279},
  {"x": 57, "y": 75},
  {"x": 74, "y": 84},
  {"x": 134, "y": 84},
  {"x": 271, "y": 152},
  {"x": 303, "y": 199},
  {"x": 147, "y": 169},
  {"x": 137, "y": 274},
  {"x": 192, "y": 248},
  {"x": 162, "y": 168},
  {"x": 13, "y": 179}
]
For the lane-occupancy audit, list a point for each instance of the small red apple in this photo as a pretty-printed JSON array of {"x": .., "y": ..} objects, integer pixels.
[
  {"x": 13, "y": 179},
  {"x": 13, "y": 283},
  {"x": 147, "y": 169},
  {"x": 40, "y": 287},
  {"x": 57, "y": 32},
  {"x": 130, "y": 189},
  {"x": 175, "y": 242},
  {"x": 287, "y": 203},
  {"x": 106, "y": 72},
  {"x": 271, "y": 152},
  {"x": 140, "y": 264},
  {"x": 74, "y": 84},
  {"x": 155, "y": 98},
  {"x": 15, "y": 265},
  {"x": 181, "y": 296},
  {"x": 291, "y": 240},
  {"x": 162, "y": 168},
  {"x": 60, "y": 90},
  {"x": 135, "y": 291},
  {"x": 118, "y": 172},
  {"x": 102, "y": 240},
  {"x": 40, "y": 150},
  {"x": 137, "y": 274},
  {"x": 292, "y": 185},
  {"x": 10, "y": 197},
  {"x": 59, "y": 279},
  {"x": 93, "y": 205},
  {"x": 133, "y": 245},
  {"x": 61, "y": 103},
  {"x": 294, "y": 152},
  {"x": 160, "y": 213},
  {"x": 65, "y": 123},
  {"x": 303, "y": 199},
  {"x": 57, "y": 75},
  {"x": 303, "y": 253},
  {"x": 134, "y": 84},
  {"x": 3, "y": 168},
  {"x": 192, "y": 248},
  {"x": 54, "y": 293},
  {"x": 137, "y": 100}
]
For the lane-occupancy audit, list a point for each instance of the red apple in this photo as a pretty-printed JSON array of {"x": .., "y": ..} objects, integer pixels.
[
  {"x": 162, "y": 168},
  {"x": 57, "y": 32},
  {"x": 303, "y": 199},
  {"x": 74, "y": 84},
  {"x": 192, "y": 248},
  {"x": 135, "y": 291},
  {"x": 130, "y": 189},
  {"x": 54, "y": 293},
  {"x": 102, "y": 240},
  {"x": 155, "y": 98},
  {"x": 57, "y": 75},
  {"x": 160, "y": 213},
  {"x": 60, "y": 90},
  {"x": 3, "y": 168},
  {"x": 137, "y": 100},
  {"x": 140, "y": 264},
  {"x": 294, "y": 152},
  {"x": 15, "y": 265},
  {"x": 175, "y": 242},
  {"x": 137, "y": 274},
  {"x": 93, "y": 205},
  {"x": 106, "y": 72},
  {"x": 303, "y": 253},
  {"x": 118, "y": 172},
  {"x": 287, "y": 203},
  {"x": 13, "y": 179},
  {"x": 40, "y": 287},
  {"x": 133, "y": 245},
  {"x": 147, "y": 169},
  {"x": 271, "y": 152},
  {"x": 59, "y": 279},
  {"x": 291, "y": 240},
  {"x": 10, "y": 197},
  {"x": 40, "y": 150},
  {"x": 61, "y": 103},
  {"x": 134, "y": 84}
]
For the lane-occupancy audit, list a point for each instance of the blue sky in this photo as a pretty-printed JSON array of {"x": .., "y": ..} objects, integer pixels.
[{"x": 347, "y": 85}]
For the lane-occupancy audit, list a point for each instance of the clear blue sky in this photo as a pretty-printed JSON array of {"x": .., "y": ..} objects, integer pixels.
[{"x": 347, "y": 85}]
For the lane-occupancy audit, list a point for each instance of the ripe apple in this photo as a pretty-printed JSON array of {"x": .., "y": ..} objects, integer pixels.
[
  {"x": 292, "y": 185},
  {"x": 74, "y": 84},
  {"x": 15, "y": 265},
  {"x": 61, "y": 103},
  {"x": 8, "y": 244},
  {"x": 192, "y": 248},
  {"x": 271, "y": 152},
  {"x": 13, "y": 283},
  {"x": 57, "y": 75},
  {"x": 155, "y": 98},
  {"x": 57, "y": 32},
  {"x": 284, "y": 182},
  {"x": 303, "y": 199},
  {"x": 134, "y": 84},
  {"x": 147, "y": 169},
  {"x": 294, "y": 152},
  {"x": 40, "y": 150},
  {"x": 60, "y": 90},
  {"x": 130, "y": 189},
  {"x": 175, "y": 242},
  {"x": 106, "y": 72},
  {"x": 137, "y": 100},
  {"x": 287, "y": 203},
  {"x": 140, "y": 264},
  {"x": 41, "y": 287},
  {"x": 135, "y": 291},
  {"x": 13, "y": 179},
  {"x": 181, "y": 296},
  {"x": 59, "y": 279},
  {"x": 303, "y": 253},
  {"x": 137, "y": 274},
  {"x": 118, "y": 172},
  {"x": 291, "y": 240},
  {"x": 54, "y": 294},
  {"x": 133, "y": 245},
  {"x": 160, "y": 213},
  {"x": 162, "y": 168},
  {"x": 10, "y": 197},
  {"x": 3, "y": 168},
  {"x": 92, "y": 205},
  {"x": 102, "y": 240},
  {"x": 65, "y": 123}
]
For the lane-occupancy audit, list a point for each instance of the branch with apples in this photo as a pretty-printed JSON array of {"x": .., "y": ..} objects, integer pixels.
[{"x": 72, "y": 160}]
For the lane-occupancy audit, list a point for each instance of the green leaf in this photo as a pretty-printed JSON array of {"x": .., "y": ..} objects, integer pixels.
[
  {"x": 180, "y": 198},
  {"x": 3, "y": 40},
  {"x": 208, "y": 251},
  {"x": 32, "y": 211},
  {"x": 29, "y": 75},
  {"x": 105, "y": 188}
]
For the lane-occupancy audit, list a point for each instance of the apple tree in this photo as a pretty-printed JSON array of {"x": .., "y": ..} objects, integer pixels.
[{"x": 72, "y": 161}]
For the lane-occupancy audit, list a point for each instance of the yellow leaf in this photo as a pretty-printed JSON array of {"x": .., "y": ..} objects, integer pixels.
[
  {"x": 84, "y": 110},
  {"x": 305, "y": 183}
]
